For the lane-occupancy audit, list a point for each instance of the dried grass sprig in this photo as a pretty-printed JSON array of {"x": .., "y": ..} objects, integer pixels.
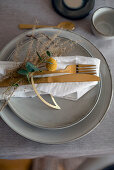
[{"x": 42, "y": 42}]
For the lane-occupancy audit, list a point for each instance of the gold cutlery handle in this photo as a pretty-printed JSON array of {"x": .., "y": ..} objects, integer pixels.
[
  {"x": 65, "y": 25},
  {"x": 29, "y": 26}
]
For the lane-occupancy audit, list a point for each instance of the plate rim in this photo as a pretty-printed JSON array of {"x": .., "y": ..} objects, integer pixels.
[{"x": 104, "y": 113}]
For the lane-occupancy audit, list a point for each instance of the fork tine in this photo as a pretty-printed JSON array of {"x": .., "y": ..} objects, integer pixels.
[
  {"x": 84, "y": 65},
  {"x": 92, "y": 73},
  {"x": 85, "y": 71},
  {"x": 83, "y": 68}
]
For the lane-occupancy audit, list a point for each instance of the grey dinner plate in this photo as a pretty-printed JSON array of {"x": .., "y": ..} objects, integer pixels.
[
  {"x": 33, "y": 111},
  {"x": 77, "y": 130}
]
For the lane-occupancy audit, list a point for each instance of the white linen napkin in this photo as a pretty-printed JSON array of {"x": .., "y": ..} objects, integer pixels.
[{"x": 69, "y": 90}]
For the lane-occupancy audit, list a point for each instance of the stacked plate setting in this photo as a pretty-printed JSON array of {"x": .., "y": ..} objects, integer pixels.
[{"x": 32, "y": 119}]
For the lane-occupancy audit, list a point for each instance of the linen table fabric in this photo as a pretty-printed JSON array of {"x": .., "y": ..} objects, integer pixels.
[{"x": 101, "y": 139}]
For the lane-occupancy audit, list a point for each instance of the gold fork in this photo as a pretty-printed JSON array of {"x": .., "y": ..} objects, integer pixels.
[{"x": 73, "y": 69}]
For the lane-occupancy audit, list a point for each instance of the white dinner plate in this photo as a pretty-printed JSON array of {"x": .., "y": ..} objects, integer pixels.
[
  {"x": 34, "y": 111},
  {"x": 77, "y": 130}
]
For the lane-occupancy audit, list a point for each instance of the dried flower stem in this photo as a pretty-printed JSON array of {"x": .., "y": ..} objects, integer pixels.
[
  {"x": 54, "y": 44},
  {"x": 6, "y": 101}
]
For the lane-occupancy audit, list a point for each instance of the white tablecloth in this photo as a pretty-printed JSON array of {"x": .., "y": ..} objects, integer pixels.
[{"x": 101, "y": 139}]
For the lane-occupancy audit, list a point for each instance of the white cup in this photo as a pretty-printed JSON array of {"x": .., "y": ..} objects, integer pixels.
[{"x": 103, "y": 22}]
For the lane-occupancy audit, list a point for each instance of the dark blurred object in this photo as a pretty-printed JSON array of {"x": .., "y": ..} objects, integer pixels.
[
  {"x": 73, "y": 9},
  {"x": 111, "y": 167}
]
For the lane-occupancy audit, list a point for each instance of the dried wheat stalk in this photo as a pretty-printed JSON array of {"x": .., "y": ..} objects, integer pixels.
[{"x": 56, "y": 45}]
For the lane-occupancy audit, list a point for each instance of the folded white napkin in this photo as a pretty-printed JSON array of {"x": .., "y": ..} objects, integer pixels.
[{"x": 70, "y": 90}]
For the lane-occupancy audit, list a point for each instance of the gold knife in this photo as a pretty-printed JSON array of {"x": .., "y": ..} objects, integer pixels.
[
  {"x": 53, "y": 79},
  {"x": 67, "y": 78}
]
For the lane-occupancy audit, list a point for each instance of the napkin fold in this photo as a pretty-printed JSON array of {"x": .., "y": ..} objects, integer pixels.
[{"x": 69, "y": 90}]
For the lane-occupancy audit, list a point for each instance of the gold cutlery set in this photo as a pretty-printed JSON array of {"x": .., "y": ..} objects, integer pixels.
[{"x": 77, "y": 73}]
